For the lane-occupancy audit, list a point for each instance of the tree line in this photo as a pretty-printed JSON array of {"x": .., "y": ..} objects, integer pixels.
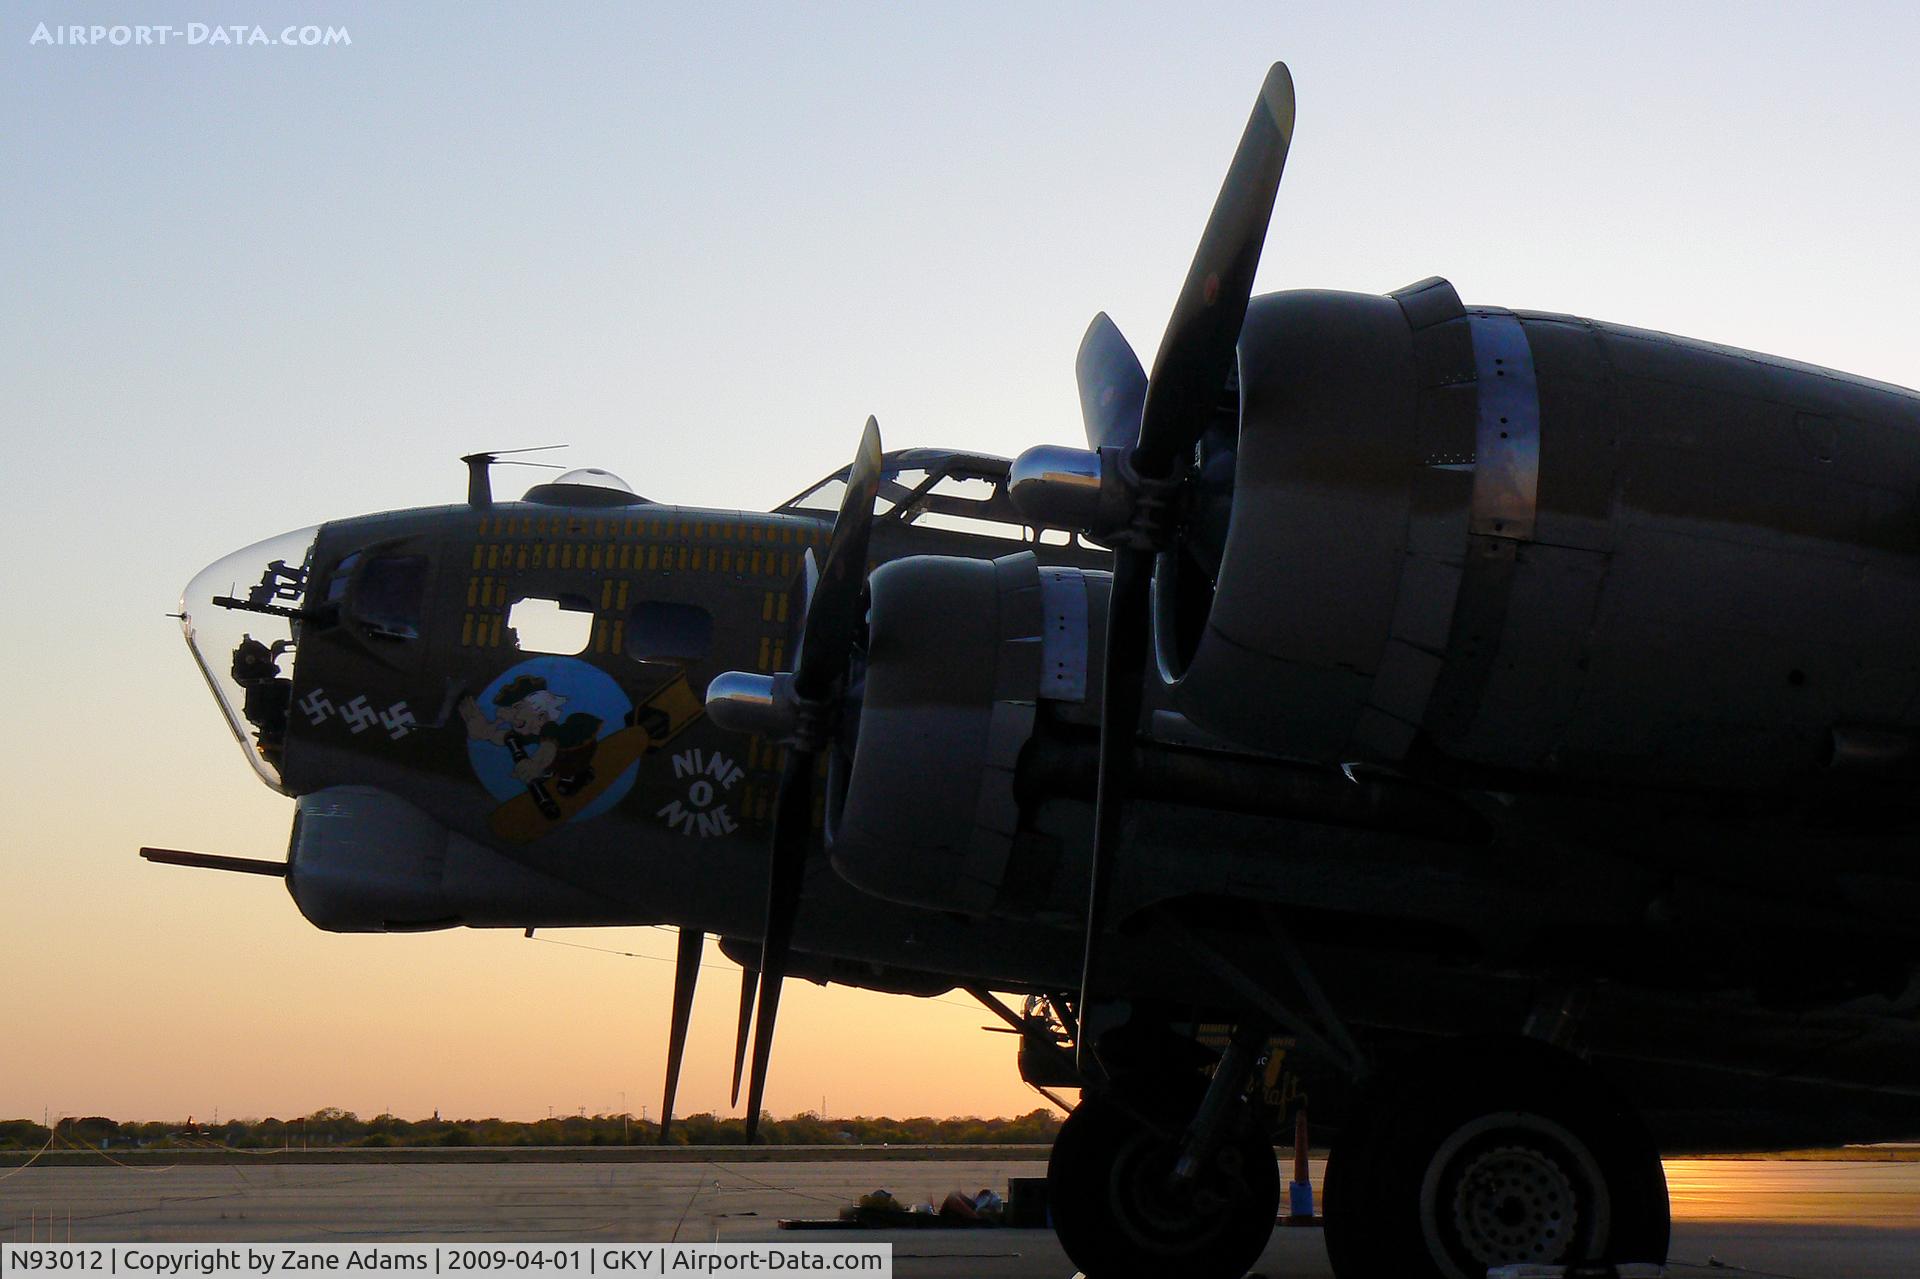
[{"x": 331, "y": 1127}]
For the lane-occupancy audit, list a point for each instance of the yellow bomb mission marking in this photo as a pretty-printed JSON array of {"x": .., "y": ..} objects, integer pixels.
[{"x": 713, "y": 773}]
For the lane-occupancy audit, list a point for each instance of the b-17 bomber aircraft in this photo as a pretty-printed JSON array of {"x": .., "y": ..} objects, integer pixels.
[{"x": 1506, "y": 725}]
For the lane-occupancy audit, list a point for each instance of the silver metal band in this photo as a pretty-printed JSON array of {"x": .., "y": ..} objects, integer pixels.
[
  {"x": 1063, "y": 637},
  {"x": 1454, "y": 588},
  {"x": 1506, "y": 469}
]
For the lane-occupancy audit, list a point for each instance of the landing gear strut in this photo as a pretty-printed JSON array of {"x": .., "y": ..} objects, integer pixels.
[
  {"x": 1122, "y": 1213},
  {"x": 1488, "y": 1154}
]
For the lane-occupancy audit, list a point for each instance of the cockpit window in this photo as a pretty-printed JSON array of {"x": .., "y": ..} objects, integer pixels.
[
  {"x": 962, "y": 504},
  {"x": 827, "y": 495},
  {"x": 389, "y": 595},
  {"x": 342, "y": 574},
  {"x": 935, "y": 489},
  {"x": 660, "y": 631}
]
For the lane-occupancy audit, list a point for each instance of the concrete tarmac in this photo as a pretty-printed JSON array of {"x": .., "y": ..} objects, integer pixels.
[{"x": 1785, "y": 1218}]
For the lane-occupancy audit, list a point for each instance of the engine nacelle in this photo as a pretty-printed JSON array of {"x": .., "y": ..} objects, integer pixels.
[
  {"x": 365, "y": 861},
  {"x": 1540, "y": 543},
  {"x": 967, "y": 660}
]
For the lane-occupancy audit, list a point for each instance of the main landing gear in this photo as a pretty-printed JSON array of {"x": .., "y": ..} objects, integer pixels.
[
  {"x": 1119, "y": 1208},
  {"x": 1482, "y": 1153},
  {"x": 1489, "y": 1153}
]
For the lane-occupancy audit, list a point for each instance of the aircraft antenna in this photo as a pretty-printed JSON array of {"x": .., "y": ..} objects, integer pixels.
[{"x": 480, "y": 468}]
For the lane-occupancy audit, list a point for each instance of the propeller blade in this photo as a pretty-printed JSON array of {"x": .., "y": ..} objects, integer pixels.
[
  {"x": 1189, "y": 373},
  {"x": 686, "y": 971},
  {"x": 1126, "y": 661},
  {"x": 819, "y": 667},
  {"x": 749, "y": 978},
  {"x": 1197, "y": 352},
  {"x": 792, "y": 833},
  {"x": 1113, "y": 386},
  {"x": 833, "y": 612}
]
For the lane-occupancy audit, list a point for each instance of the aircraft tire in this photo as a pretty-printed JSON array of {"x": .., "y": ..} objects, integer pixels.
[
  {"x": 1116, "y": 1219},
  {"x": 1498, "y": 1152}
]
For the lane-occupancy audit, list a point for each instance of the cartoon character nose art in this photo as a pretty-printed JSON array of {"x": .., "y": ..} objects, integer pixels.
[{"x": 557, "y": 740}]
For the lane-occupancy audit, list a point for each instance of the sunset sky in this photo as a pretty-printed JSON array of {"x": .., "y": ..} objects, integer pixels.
[{"x": 251, "y": 288}]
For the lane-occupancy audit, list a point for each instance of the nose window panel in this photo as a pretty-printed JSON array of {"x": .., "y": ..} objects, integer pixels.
[
  {"x": 239, "y": 616},
  {"x": 389, "y": 595},
  {"x": 342, "y": 574}
]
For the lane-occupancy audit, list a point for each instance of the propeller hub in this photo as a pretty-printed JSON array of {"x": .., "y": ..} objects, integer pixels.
[
  {"x": 1054, "y": 486},
  {"x": 747, "y": 702}
]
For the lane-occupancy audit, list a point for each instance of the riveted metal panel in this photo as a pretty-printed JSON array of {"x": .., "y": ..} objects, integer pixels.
[
  {"x": 1063, "y": 635},
  {"x": 1449, "y": 425},
  {"x": 1423, "y": 614},
  {"x": 1447, "y": 443},
  {"x": 1506, "y": 475},
  {"x": 1479, "y": 616},
  {"x": 1535, "y": 690},
  {"x": 1404, "y": 681}
]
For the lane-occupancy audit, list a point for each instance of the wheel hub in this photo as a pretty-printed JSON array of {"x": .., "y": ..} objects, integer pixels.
[
  {"x": 1515, "y": 1203},
  {"x": 1510, "y": 1187},
  {"x": 1153, "y": 1209}
]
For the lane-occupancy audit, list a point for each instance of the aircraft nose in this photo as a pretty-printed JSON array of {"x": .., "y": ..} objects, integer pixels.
[{"x": 241, "y": 616}]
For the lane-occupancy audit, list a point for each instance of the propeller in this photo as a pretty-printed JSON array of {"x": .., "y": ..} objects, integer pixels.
[
  {"x": 1113, "y": 386},
  {"x": 749, "y": 977},
  {"x": 800, "y": 709},
  {"x": 1203, "y": 336},
  {"x": 792, "y": 832},
  {"x": 686, "y": 971},
  {"x": 1130, "y": 492}
]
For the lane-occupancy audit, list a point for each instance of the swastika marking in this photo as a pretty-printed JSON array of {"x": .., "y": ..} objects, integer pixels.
[
  {"x": 397, "y": 720},
  {"x": 359, "y": 715}
]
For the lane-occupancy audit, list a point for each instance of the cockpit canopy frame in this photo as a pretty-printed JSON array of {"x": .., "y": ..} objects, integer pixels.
[{"x": 917, "y": 483}]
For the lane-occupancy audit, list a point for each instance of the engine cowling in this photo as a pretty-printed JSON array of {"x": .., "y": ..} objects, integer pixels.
[
  {"x": 967, "y": 662},
  {"x": 1535, "y": 542}
]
